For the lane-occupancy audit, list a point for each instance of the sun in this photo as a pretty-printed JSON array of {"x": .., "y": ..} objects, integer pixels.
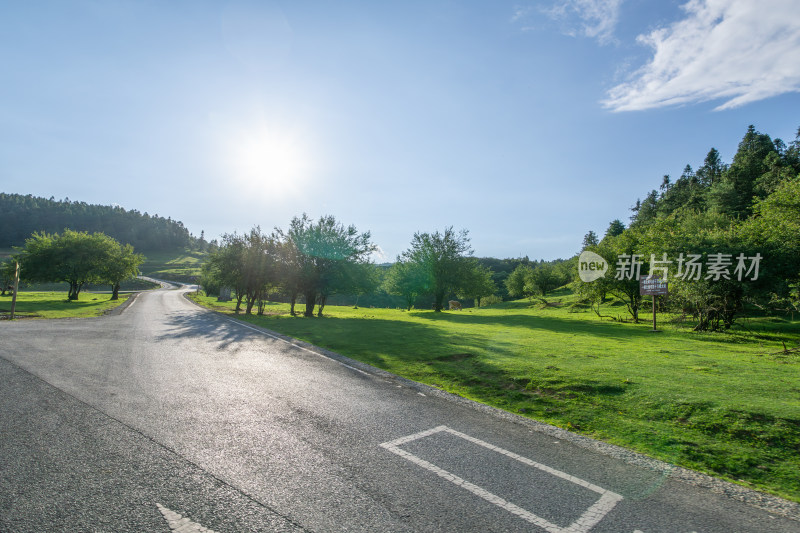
[{"x": 269, "y": 161}]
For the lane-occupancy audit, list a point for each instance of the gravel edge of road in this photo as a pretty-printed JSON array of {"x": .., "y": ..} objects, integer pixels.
[{"x": 760, "y": 500}]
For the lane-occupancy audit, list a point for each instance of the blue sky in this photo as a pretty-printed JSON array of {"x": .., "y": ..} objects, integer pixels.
[{"x": 527, "y": 123}]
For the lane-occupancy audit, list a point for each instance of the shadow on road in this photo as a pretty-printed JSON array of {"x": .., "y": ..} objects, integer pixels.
[{"x": 206, "y": 326}]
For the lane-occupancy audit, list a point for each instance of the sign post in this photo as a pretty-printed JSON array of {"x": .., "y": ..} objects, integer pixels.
[
  {"x": 653, "y": 286},
  {"x": 14, "y": 296}
]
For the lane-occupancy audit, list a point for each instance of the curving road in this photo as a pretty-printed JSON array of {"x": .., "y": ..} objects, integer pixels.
[{"x": 169, "y": 417}]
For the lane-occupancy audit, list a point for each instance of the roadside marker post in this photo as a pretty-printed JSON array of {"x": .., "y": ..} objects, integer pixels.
[{"x": 16, "y": 286}]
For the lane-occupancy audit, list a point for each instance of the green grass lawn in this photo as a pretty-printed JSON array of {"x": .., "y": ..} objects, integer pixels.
[
  {"x": 173, "y": 266},
  {"x": 723, "y": 403},
  {"x": 56, "y": 305}
]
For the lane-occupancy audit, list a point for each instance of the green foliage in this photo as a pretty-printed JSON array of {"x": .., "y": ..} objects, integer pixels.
[
  {"x": 7, "y": 273},
  {"x": 406, "y": 279},
  {"x": 516, "y": 281},
  {"x": 444, "y": 260},
  {"x": 25, "y": 215},
  {"x": 746, "y": 210},
  {"x": 491, "y": 300},
  {"x": 616, "y": 227},
  {"x": 182, "y": 265},
  {"x": 77, "y": 258},
  {"x": 714, "y": 303},
  {"x": 327, "y": 259},
  {"x": 590, "y": 239},
  {"x": 121, "y": 264},
  {"x": 477, "y": 283}
]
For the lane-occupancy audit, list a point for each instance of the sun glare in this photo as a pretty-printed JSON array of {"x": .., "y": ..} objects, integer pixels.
[{"x": 269, "y": 162}]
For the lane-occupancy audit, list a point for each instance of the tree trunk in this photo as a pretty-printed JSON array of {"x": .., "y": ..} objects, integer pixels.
[
  {"x": 74, "y": 290},
  {"x": 438, "y": 300},
  {"x": 322, "y": 300},
  {"x": 293, "y": 301},
  {"x": 311, "y": 300},
  {"x": 115, "y": 291}
]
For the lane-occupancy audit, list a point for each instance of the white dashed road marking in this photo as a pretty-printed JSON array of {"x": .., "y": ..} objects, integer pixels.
[
  {"x": 180, "y": 523},
  {"x": 583, "y": 524}
]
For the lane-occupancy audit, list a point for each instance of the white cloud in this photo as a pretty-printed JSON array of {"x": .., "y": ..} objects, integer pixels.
[
  {"x": 597, "y": 18},
  {"x": 738, "y": 50}
]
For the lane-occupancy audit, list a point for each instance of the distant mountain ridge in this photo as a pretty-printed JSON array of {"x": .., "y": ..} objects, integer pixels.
[{"x": 22, "y": 215}]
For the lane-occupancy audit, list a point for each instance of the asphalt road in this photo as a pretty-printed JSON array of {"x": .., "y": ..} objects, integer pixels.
[{"x": 169, "y": 417}]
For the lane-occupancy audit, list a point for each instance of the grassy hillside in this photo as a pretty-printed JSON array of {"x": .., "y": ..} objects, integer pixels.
[
  {"x": 724, "y": 403},
  {"x": 181, "y": 266}
]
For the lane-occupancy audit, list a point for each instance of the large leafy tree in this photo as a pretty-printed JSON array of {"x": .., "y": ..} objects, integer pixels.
[
  {"x": 326, "y": 255},
  {"x": 406, "y": 279},
  {"x": 226, "y": 266},
  {"x": 122, "y": 264},
  {"x": 77, "y": 258},
  {"x": 445, "y": 260},
  {"x": 477, "y": 283},
  {"x": 773, "y": 231}
]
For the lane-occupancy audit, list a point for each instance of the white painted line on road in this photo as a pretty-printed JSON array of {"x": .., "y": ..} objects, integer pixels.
[
  {"x": 583, "y": 524},
  {"x": 180, "y": 523},
  {"x": 295, "y": 345}
]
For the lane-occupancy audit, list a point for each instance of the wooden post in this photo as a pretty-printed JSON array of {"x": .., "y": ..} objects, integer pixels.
[
  {"x": 654, "y": 312},
  {"x": 16, "y": 286}
]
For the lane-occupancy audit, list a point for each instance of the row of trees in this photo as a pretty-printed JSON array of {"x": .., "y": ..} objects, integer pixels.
[
  {"x": 537, "y": 280},
  {"x": 74, "y": 257},
  {"x": 750, "y": 208},
  {"x": 24, "y": 215},
  {"x": 314, "y": 260}
]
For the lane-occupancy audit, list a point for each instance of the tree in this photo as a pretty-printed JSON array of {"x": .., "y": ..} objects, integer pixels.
[
  {"x": 7, "y": 274},
  {"x": 259, "y": 268},
  {"x": 733, "y": 193},
  {"x": 590, "y": 239},
  {"x": 517, "y": 281},
  {"x": 225, "y": 267},
  {"x": 444, "y": 260},
  {"x": 545, "y": 278},
  {"x": 77, "y": 258},
  {"x": 406, "y": 279},
  {"x": 121, "y": 265},
  {"x": 714, "y": 300},
  {"x": 773, "y": 231},
  {"x": 712, "y": 169},
  {"x": 616, "y": 227},
  {"x": 530, "y": 281},
  {"x": 325, "y": 250},
  {"x": 477, "y": 283},
  {"x": 624, "y": 286}
]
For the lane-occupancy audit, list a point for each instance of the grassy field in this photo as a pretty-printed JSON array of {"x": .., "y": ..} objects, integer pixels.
[
  {"x": 56, "y": 305},
  {"x": 727, "y": 404},
  {"x": 173, "y": 266}
]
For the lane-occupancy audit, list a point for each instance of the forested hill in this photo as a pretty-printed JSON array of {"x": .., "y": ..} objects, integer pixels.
[{"x": 20, "y": 216}]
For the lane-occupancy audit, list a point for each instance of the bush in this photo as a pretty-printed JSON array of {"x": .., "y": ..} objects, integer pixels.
[{"x": 490, "y": 300}]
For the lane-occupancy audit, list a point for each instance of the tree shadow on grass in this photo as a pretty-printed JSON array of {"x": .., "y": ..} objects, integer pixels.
[
  {"x": 606, "y": 330},
  {"x": 38, "y": 306}
]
